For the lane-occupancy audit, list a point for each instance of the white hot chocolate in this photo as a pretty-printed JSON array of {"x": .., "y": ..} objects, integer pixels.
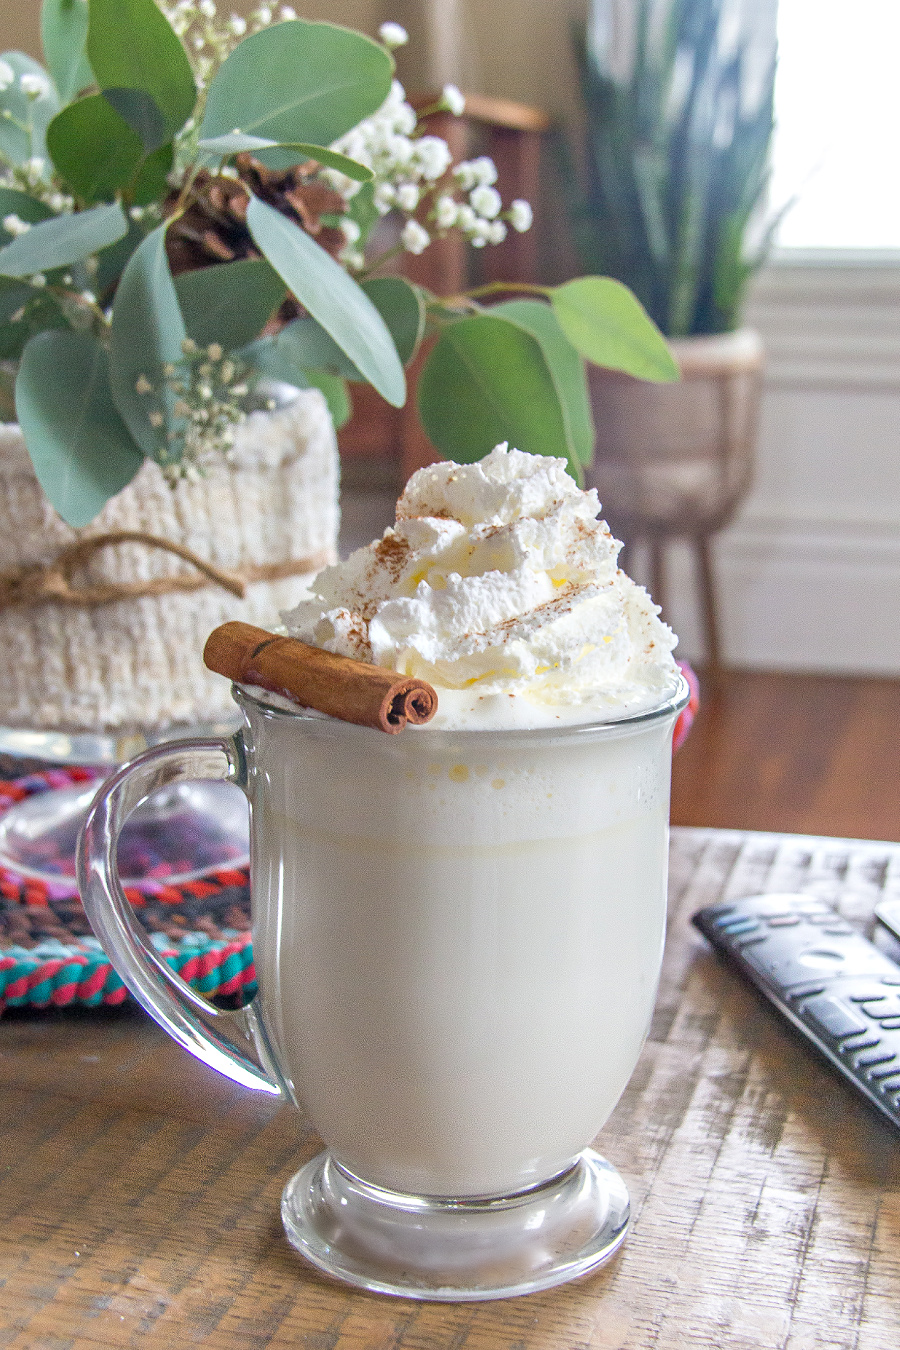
[{"x": 458, "y": 930}]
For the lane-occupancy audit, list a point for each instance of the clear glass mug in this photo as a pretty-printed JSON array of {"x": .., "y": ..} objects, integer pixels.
[{"x": 457, "y": 939}]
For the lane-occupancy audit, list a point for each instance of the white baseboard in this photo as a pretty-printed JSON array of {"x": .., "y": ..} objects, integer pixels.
[{"x": 811, "y": 596}]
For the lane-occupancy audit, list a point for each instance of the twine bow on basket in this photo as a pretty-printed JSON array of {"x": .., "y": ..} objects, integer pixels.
[{"x": 40, "y": 583}]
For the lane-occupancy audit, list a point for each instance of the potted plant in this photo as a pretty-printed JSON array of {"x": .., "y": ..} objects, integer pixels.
[
  {"x": 678, "y": 101},
  {"x": 189, "y": 206}
]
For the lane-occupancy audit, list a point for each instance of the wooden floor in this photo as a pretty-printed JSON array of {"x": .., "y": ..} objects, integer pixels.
[{"x": 797, "y": 753}]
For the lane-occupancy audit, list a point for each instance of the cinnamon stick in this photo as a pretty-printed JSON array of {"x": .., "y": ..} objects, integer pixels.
[{"x": 351, "y": 690}]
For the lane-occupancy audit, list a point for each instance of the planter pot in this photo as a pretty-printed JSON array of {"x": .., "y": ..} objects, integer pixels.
[
  {"x": 268, "y": 518},
  {"x": 676, "y": 460}
]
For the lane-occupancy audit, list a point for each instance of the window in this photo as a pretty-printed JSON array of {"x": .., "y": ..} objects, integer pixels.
[{"x": 837, "y": 144}]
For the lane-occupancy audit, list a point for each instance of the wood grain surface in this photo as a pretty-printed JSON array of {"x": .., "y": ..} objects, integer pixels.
[{"x": 139, "y": 1191}]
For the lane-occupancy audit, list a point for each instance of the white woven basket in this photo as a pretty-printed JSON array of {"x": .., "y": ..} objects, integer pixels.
[{"x": 135, "y": 664}]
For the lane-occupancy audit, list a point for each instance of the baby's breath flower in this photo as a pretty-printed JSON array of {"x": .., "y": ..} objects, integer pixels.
[
  {"x": 180, "y": 408},
  {"x": 189, "y": 346},
  {"x": 237, "y": 25},
  {"x": 407, "y": 196},
  {"x": 496, "y": 232},
  {"x": 38, "y": 279},
  {"x": 414, "y": 238},
  {"x": 14, "y": 225},
  {"x": 393, "y": 35},
  {"x": 143, "y": 385},
  {"x": 7, "y": 75},
  {"x": 207, "y": 8},
  {"x": 520, "y": 215},
  {"x": 453, "y": 100},
  {"x": 33, "y": 85},
  {"x": 214, "y": 351},
  {"x": 446, "y": 212},
  {"x": 286, "y": 13},
  {"x": 156, "y": 419},
  {"x": 486, "y": 201},
  {"x": 351, "y": 229},
  {"x": 433, "y": 155}
]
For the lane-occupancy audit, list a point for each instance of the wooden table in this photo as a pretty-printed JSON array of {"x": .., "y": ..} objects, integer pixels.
[{"x": 139, "y": 1191}]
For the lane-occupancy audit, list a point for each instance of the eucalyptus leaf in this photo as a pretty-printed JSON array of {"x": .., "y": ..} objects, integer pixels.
[
  {"x": 566, "y": 367},
  {"x": 63, "y": 240},
  {"x": 93, "y": 148},
  {"x": 150, "y": 183},
  {"x": 336, "y": 396},
  {"x": 331, "y": 297},
  {"x": 26, "y": 310},
  {"x": 302, "y": 345},
  {"x": 112, "y": 261},
  {"x": 16, "y": 203},
  {"x": 13, "y": 295},
  {"x": 131, "y": 45},
  {"x": 236, "y": 143},
  {"x": 230, "y": 304},
  {"x": 402, "y": 307},
  {"x": 297, "y": 82},
  {"x": 80, "y": 448},
  {"x": 64, "y": 26},
  {"x": 23, "y": 118},
  {"x": 486, "y": 380},
  {"x": 141, "y": 113},
  {"x": 147, "y": 333},
  {"x": 608, "y": 325}
]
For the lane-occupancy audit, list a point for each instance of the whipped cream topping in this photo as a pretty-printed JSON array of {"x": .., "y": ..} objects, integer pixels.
[{"x": 498, "y": 585}]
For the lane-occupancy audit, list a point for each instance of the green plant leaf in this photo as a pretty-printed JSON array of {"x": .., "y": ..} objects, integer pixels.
[
  {"x": 336, "y": 396},
  {"x": 402, "y": 307},
  {"x": 301, "y": 345},
  {"x": 140, "y": 112},
  {"x": 566, "y": 367},
  {"x": 229, "y": 304},
  {"x": 606, "y": 323},
  {"x": 147, "y": 333},
  {"x": 112, "y": 261},
  {"x": 80, "y": 448},
  {"x": 63, "y": 240},
  {"x": 24, "y": 120},
  {"x": 237, "y": 143},
  {"x": 149, "y": 184},
  {"x": 487, "y": 380},
  {"x": 131, "y": 45},
  {"x": 24, "y": 311},
  {"x": 93, "y": 148},
  {"x": 16, "y": 203},
  {"x": 297, "y": 82},
  {"x": 331, "y": 297},
  {"x": 64, "y": 26}
]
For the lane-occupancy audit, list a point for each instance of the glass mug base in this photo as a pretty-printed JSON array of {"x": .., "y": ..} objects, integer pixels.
[{"x": 450, "y": 1249}]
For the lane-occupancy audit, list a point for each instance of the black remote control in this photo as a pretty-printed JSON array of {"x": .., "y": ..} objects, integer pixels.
[{"x": 830, "y": 982}]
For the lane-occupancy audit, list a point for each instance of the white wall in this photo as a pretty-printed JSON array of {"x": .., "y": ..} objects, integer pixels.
[{"x": 810, "y": 571}]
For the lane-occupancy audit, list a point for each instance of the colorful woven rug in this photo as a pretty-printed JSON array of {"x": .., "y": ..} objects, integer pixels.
[{"x": 50, "y": 958}]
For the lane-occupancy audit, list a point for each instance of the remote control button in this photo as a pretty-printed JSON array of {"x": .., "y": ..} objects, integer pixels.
[
  {"x": 889, "y": 1023},
  {"x": 750, "y": 940},
  {"x": 833, "y": 1017},
  {"x": 869, "y": 996},
  {"x": 821, "y": 917},
  {"x": 870, "y": 1044},
  {"x": 887, "y": 1078},
  {"x": 783, "y": 920},
  {"x": 878, "y": 1057},
  {"x": 837, "y": 930},
  {"x": 891, "y": 979},
  {"x": 734, "y": 926}
]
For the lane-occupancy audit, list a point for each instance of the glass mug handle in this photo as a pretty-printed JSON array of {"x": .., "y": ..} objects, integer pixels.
[{"x": 232, "y": 1042}]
